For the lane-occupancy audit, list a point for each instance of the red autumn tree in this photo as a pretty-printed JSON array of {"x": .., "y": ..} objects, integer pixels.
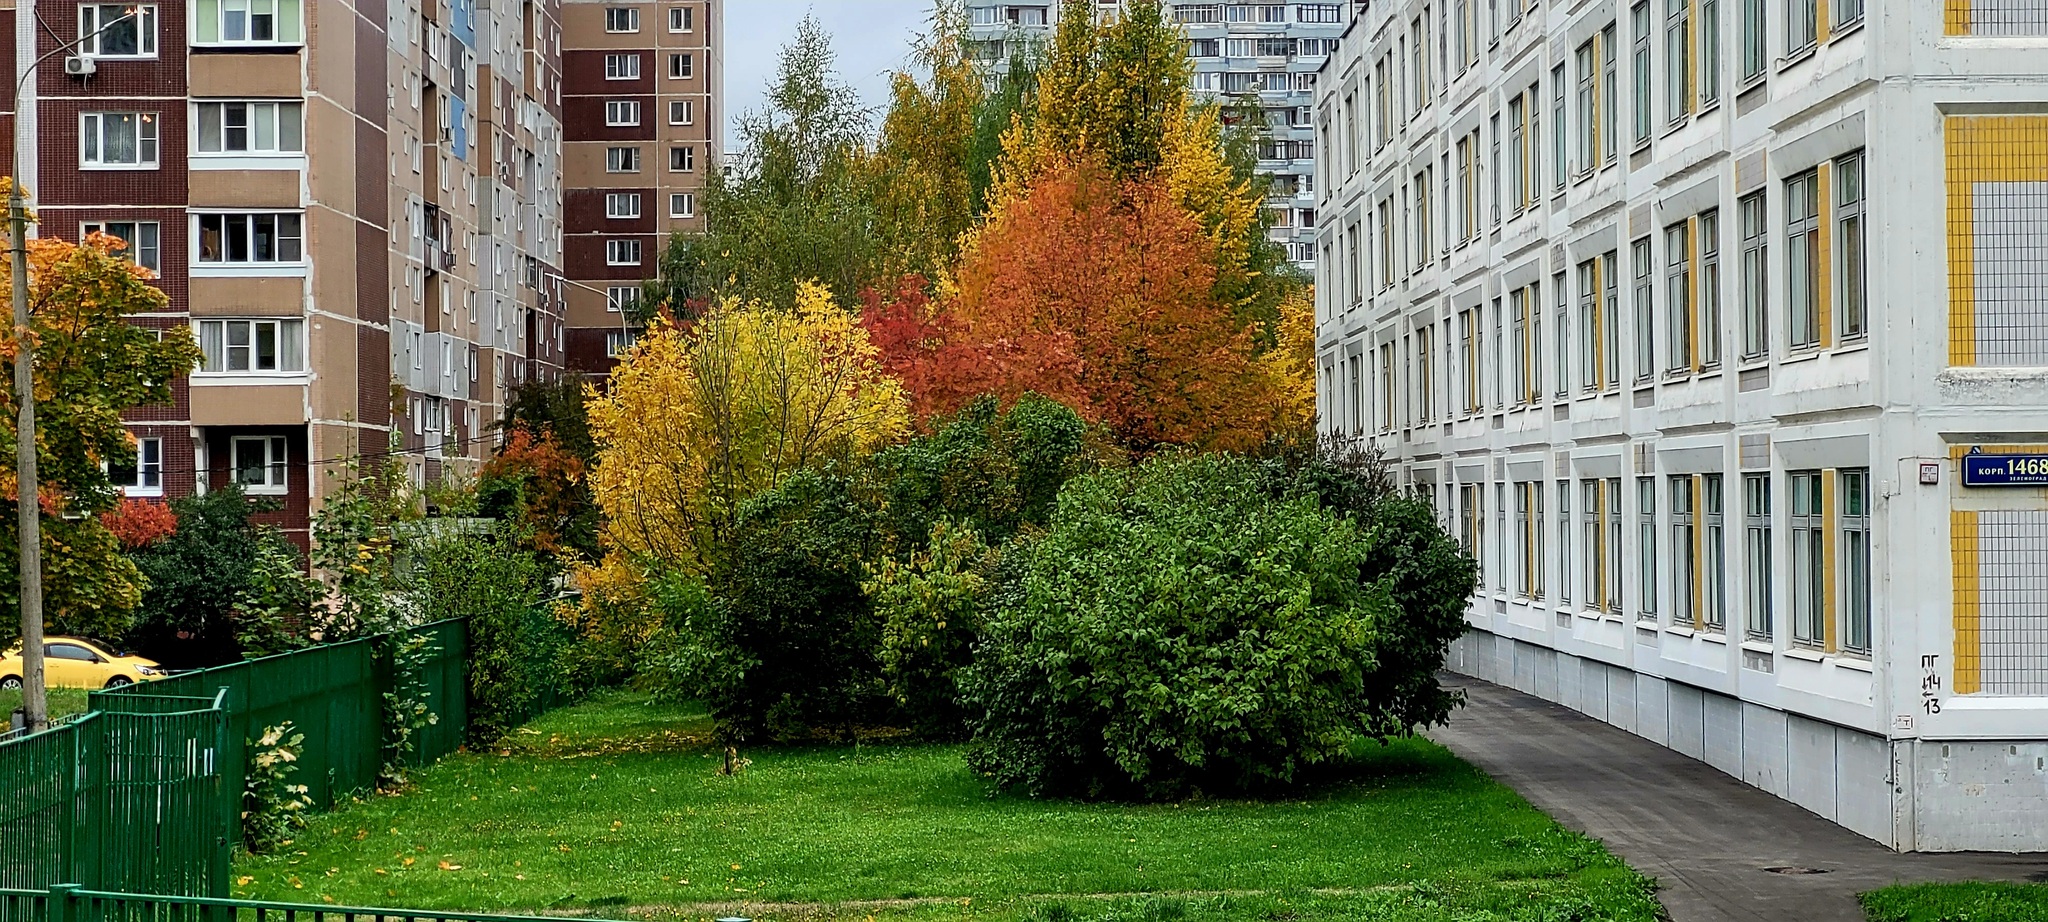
[
  {"x": 139, "y": 523},
  {"x": 1099, "y": 294},
  {"x": 537, "y": 483}
]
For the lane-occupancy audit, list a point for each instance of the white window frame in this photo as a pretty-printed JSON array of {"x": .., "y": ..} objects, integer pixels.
[
  {"x": 624, "y": 66},
  {"x": 615, "y": 160},
  {"x": 148, "y": 469},
  {"x": 293, "y": 266},
  {"x": 621, "y": 19},
  {"x": 92, "y": 140},
  {"x": 92, "y": 18},
  {"x": 140, "y": 244},
  {"x": 288, "y": 338},
  {"x": 681, "y": 66},
  {"x": 689, "y": 159},
  {"x": 682, "y": 112},
  {"x": 251, "y": 10},
  {"x": 621, "y": 205},
  {"x": 682, "y": 204},
  {"x": 682, "y": 19},
  {"x": 622, "y": 113},
  {"x": 255, "y": 111},
  {"x": 274, "y": 464},
  {"x": 620, "y": 297},
  {"x": 622, "y": 252}
]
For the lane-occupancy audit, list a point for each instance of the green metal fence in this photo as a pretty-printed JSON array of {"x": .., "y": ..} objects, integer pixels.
[
  {"x": 120, "y": 801},
  {"x": 74, "y": 904}
]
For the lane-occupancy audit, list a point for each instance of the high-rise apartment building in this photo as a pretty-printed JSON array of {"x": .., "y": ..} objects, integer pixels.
[
  {"x": 1269, "y": 53},
  {"x": 356, "y": 209},
  {"x": 1714, "y": 330},
  {"x": 642, "y": 114}
]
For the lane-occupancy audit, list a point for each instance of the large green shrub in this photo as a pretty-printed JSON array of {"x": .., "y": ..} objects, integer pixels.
[
  {"x": 784, "y": 643},
  {"x": 502, "y": 588},
  {"x": 1178, "y": 629},
  {"x": 1430, "y": 578},
  {"x": 931, "y": 608},
  {"x": 197, "y": 575}
]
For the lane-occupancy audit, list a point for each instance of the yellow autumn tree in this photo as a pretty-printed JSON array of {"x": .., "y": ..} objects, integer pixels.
[
  {"x": 697, "y": 420},
  {"x": 1291, "y": 364}
]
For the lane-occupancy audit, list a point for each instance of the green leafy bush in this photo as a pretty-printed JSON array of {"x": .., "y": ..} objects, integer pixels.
[
  {"x": 272, "y": 806},
  {"x": 995, "y": 472},
  {"x": 931, "y": 609},
  {"x": 1178, "y": 630},
  {"x": 502, "y": 588},
  {"x": 197, "y": 575},
  {"x": 1429, "y": 576},
  {"x": 784, "y": 643}
]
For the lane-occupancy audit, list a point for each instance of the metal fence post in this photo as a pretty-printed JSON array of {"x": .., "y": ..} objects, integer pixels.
[{"x": 63, "y": 903}]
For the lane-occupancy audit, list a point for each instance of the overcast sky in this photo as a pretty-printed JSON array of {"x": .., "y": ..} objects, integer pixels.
[{"x": 871, "y": 37}]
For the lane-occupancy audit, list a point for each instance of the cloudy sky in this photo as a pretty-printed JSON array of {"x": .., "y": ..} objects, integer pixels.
[{"x": 872, "y": 38}]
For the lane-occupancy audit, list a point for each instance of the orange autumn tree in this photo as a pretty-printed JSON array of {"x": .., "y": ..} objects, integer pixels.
[{"x": 1100, "y": 294}]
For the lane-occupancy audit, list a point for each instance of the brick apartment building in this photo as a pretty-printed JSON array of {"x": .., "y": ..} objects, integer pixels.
[
  {"x": 642, "y": 108},
  {"x": 357, "y": 208}
]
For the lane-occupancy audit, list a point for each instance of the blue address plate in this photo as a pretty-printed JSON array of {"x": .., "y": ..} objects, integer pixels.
[{"x": 2005, "y": 470}]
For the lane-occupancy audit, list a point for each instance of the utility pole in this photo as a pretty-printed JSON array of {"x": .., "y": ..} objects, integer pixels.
[{"x": 35, "y": 696}]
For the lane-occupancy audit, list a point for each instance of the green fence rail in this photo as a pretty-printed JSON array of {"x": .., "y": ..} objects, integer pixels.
[
  {"x": 75, "y": 904},
  {"x": 120, "y": 801}
]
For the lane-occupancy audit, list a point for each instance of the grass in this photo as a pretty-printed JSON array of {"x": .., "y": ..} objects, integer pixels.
[
  {"x": 63, "y": 702},
  {"x": 1963, "y": 902},
  {"x": 616, "y": 807}
]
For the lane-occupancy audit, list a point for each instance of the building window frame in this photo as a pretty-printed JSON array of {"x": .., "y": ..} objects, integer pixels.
[
  {"x": 625, "y": 252},
  {"x": 622, "y": 113},
  {"x": 1679, "y": 299},
  {"x": 100, "y": 136},
  {"x": 1757, "y": 561},
  {"x": 218, "y": 235},
  {"x": 278, "y": 123},
  {"x": 621, "y": 205},
  {"x": 144, "y": 239},
  {"x": 1847, "y": 248},
  {"x": 1685, "y": 567},
  {"x": 622, "y": 160},
  {"x": 681, "y": 19},
  {"x": 251, "y": 343},
  {"x": 1803, "y": 272},
  {"x": 1854, "y": 525},
  {"x": 145, "y": 477},
  {"x": 1806, "y": 517},
  {"x": 244, "y": 22},
  {"x": 269, "y": 474},
  {"x": 622, "y": 66},
  {"x": 682, "y": 204},
  {"x": 621, "y": 19},
  {"x": 141, "y": 39}
]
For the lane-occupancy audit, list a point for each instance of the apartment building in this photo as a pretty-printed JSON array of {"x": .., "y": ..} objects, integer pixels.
[
  {"x": 1267, "y": 52},
  {"x": 354, "y": 208},
  {"x": 1737, "y": 406},
  {"x": 642, "y": 110}
]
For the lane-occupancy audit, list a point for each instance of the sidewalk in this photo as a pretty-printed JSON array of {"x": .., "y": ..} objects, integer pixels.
[{"x": 1707, "y": 838}]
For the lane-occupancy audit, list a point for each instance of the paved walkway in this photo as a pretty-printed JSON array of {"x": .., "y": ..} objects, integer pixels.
[{"x": 1705, "y": 837}]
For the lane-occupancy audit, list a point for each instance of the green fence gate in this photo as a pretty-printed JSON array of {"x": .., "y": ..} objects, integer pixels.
[{"x": 132, "y": 800}]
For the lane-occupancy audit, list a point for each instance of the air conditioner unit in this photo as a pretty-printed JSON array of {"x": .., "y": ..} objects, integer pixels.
[{"x": 80, "y": 66}]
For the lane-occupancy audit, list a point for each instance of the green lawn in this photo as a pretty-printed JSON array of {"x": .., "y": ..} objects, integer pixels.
[
  {"x": 63, "y": 702},
  {"x": 1972, "y": 902},
  {"x": 616, "y": 808}
]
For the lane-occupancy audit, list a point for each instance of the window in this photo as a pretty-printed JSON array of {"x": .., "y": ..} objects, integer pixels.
[
  {"x": 1639, "y": 69},
  {"x": 622, "y": 67},
  {"x": 69, "y": 651},
  {"x": 682, "y": 112},
  {"x": 1610, "y": 317},
  {"x": 1646, "y": 548},
  {"x": 1610, "y": 84},
  {"x": 1753, "y": 53},
  {"x": 1708, "y": 297},
  {"x": 621, "y": 113},
  {"x": 1643, "y": 299},
  {"x": 1756, "y": 562},
  {"x": 143, "y": 239},
  {"x": 619, "y": 342},
  {"x": 1802, "y": 259},
  {"x": 1848, "y": 247},
  {"x": 252, "y": 346},
  {"x": 1802, "y": 24},
  {"x": 1558, "y": 164},
  {"x": 1678, "y": 296},
  {"x": 1855, "y": 594},
  {"x": 248, "y": 22},
  {"x": 681, "y": 67},
  {"x": 1809, "y": 567},
  {"x": 1588, "y": 57},
  {"x": 1714, "y": 559},
  {"x": 1602, "y": 518},
  {"x": 251, "y": 127},
  {"x": 622, "y": 204},
  {"x": 258, "y": 463},
  {"x": 1564, "y": 541},
  {"x": 1710, "y": 52},
  {"x": 117, "y": 140},
  {"x": 682, "y": 205},
  {"x": 250, "y": 238},
  {"x": 1846, "y": 12},
  {"x": 621, "y": 19},
  {"x": 1756, "y": 327},
  {"x": 1519, "y": 193},
  {"x": 145, "y": 477},
  {"x": 1678, "y": 76},
  {"x": 619, "y": 298},
  {"x": 622, "y": 252},
  {"x": 1685, "y": 548},
  {"x": 622, "y": 160},
  {"x": 1589, "y": 326},
  {"x": 682, "y": 159},
  {"x": 113, "y": 30},
  {"x": 1529, "y": 525},
  {"x": 1614, "y": 547},
  {"x": 1562, "y": 334},
  {"x": 681, "y": 19}
]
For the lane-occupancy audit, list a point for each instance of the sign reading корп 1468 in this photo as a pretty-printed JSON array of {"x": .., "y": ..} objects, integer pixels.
[{"x": 1982, "y": 470}]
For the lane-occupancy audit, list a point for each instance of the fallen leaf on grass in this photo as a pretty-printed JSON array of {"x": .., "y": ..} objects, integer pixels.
[
  {"x": 244, "y": 880},
  {"x": 408, "y": 861},
  {"x": 379, "y": 871},
  {"x": 445, "y": 866}
]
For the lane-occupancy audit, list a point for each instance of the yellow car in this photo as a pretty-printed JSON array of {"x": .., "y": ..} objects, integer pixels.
[{"x": 69, "y": 662}]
